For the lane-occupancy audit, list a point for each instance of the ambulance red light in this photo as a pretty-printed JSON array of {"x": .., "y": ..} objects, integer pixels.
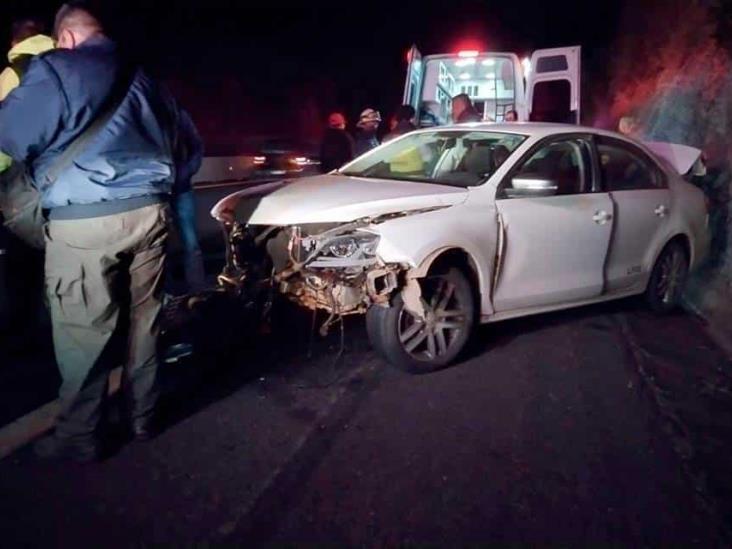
[{"x": 468, "y": 53}]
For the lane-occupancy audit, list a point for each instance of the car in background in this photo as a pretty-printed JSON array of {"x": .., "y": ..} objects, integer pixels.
[
  {"x": 443, "y": 228},
  {"x": 286, "y": 157}
]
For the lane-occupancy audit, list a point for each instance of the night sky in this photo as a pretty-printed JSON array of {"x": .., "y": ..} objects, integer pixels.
[{"x": 252, "y": 68}]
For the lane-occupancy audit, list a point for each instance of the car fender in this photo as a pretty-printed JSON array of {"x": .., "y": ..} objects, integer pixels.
[{"x": 417, "y": 241}]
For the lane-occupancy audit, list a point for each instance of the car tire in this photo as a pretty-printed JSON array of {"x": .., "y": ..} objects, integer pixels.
[
  {"x": 423, "y": 346},
  {"x": 668, "y": 278}
]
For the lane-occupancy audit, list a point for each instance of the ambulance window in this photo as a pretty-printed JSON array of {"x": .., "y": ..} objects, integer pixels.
[
  {"x": 553, "y": 63},
  {"x": 551, "y": 102}
]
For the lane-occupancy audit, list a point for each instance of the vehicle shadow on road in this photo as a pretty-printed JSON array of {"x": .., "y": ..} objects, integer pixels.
[
  {"x": 232, "y": 352},
  {"x": 504, "y": 333}
]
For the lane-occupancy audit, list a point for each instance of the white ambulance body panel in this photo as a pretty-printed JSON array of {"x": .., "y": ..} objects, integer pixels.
[{"x": 496, "y": 82}]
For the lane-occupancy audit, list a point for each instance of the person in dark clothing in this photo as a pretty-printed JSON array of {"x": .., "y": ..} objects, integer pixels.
[
  {"x": 463, "y": 110},
  {"x": 367, "y": 126},
  {"x": 188, "y": 158},
  {"x": 108, "y": 221},
  {"x": 22, "y": 310},
  {"x": 404, "y": 116},
  {"x": 337, "y": 146}
]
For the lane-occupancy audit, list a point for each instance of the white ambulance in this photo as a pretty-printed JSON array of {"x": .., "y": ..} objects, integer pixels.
[{"x": 545, "y": 87}]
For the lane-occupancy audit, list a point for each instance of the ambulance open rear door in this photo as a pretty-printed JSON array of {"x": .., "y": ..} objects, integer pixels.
[
  {"x": 413, "y": 85},
  {"x": 553, "y": 85}
]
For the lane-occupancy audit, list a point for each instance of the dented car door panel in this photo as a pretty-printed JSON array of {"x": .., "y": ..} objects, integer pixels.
[{"x": 555, "y": 249}]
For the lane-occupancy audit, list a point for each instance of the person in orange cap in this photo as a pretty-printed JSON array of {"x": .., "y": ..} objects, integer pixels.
[{"x": 337, "y": 146}]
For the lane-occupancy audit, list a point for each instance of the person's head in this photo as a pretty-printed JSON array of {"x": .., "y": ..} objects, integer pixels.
[
  {"x": 405, "y": 113},
  {"x": 74, "y": 25},
  {"x": 393, "y": 122},
  {"x": 460, "y": 104},
  {"x": 628, "y": 125},
  {"x": 500, "y": 154},
  {"x": 511, "y": 116},
  {"x": 24, "y": 29},
  {"x": 369, "y": 120},
  {"x": 337, "y": 121}
]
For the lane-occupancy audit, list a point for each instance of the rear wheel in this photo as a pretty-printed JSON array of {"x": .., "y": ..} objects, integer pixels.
[
  {"x": 668, "y": 279},
  {"x": 422, "y": 345}
]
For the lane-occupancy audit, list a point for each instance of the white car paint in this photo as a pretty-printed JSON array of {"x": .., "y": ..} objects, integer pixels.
[
  {"x": 332, "y": 198},
  {"x": 681, "y": 157},
  {"x": 555, "y": 251}
]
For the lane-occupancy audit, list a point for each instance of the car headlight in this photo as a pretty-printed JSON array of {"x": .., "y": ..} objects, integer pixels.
[{"x": 357, "y": 245}]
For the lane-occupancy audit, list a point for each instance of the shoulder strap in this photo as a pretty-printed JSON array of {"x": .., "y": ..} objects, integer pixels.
[
  {"x": 20, "y": 65},
  {"x": 67, "y": 157}
]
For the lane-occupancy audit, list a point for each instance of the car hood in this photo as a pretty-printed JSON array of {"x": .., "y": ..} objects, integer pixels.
[{"x": 332, "y": 198}]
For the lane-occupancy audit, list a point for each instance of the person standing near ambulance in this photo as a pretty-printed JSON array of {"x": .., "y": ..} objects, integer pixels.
[
  {"x": 336, "y": 149},
  {"x": 366, "y": 129}
]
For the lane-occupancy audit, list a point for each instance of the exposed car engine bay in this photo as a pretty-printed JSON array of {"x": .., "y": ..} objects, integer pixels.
[{"x": 330, "y": 267}]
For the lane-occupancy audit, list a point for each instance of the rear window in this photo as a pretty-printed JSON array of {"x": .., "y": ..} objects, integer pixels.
[
  {"x": 624, "y": 168},
  {"x": 552, "y": 63}
]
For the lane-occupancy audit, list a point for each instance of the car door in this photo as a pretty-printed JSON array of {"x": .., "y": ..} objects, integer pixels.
[
  {"x": 556, "y": 227},
  {"x": 553, "y": 85},
  {"x": 642, "y": 203}
]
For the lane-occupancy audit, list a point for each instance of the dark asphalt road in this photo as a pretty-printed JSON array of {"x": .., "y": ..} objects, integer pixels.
[{"x": 580, "y": 427}]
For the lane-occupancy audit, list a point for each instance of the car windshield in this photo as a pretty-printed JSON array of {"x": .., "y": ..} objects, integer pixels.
[{"x": 458, "y": 158}]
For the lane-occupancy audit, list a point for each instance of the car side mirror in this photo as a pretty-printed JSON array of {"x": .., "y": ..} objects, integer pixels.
[{"x": 531, "y": 186}]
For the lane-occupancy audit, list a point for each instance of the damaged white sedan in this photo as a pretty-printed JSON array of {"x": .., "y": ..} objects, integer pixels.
[{"x": 446, "y": 227}]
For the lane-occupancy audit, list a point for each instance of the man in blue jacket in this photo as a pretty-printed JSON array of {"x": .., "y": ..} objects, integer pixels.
[{"x": 108, "y": 220}]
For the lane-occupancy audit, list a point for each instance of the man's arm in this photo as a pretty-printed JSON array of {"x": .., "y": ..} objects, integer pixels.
[
  {"x": 190, "y": 148},
  {"x": 33, "y": 114}
]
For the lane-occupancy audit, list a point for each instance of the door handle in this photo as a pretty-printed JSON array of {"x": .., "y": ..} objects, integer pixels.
[
  {"x": 661, "y": 210},
  {"x": 601, "y": 217}
]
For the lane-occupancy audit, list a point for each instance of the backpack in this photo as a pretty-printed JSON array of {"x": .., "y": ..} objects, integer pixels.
[{"x": 20, "y": 204}]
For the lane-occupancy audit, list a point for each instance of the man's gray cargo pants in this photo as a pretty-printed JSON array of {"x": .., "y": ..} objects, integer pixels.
[{"x": 104, "y": 279}]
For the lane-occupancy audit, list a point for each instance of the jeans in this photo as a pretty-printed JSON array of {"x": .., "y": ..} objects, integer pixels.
[{"x": 184, "y": 211}]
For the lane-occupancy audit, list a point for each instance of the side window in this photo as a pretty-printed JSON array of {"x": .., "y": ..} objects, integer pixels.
[
  {"x": 625, "y": 169},
  {"x": 564, "y": 165}
]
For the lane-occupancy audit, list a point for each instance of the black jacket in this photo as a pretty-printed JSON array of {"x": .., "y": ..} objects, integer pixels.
[
  {"x": 365, "y": 141},
  {"x": 335, "y": 150},
  {"x": 404, "y": 126}
]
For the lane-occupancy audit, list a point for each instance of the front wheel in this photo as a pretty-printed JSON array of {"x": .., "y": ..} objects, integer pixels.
[
  {"x": 668, "y": 279},
  {"x": 425, "y": 345}
]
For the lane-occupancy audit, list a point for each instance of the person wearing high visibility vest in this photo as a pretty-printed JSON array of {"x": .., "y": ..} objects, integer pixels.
[{"x": 27, "y": 40}]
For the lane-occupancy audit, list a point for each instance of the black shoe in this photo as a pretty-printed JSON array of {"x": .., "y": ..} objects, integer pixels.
[
  {"x": 143, "y": 430},
  {"x": 54, "y": 448}
]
